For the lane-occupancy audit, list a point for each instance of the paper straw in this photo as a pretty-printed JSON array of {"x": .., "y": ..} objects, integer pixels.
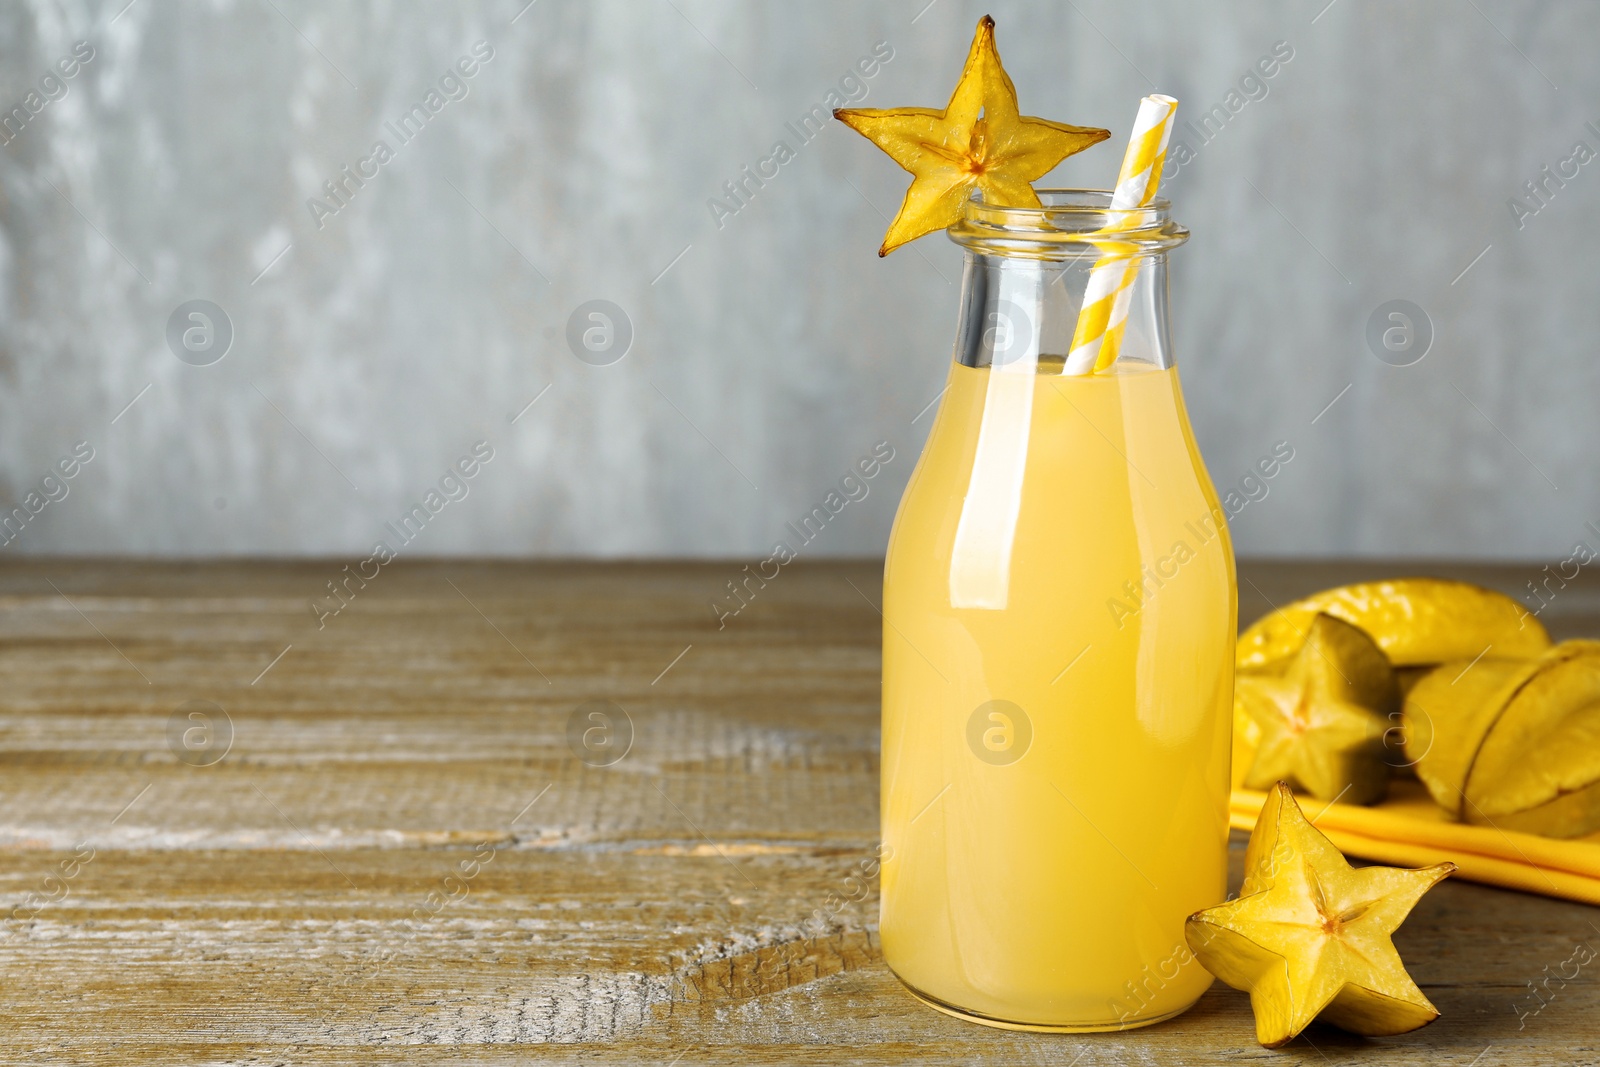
[{"x": 1110, "y": 289}]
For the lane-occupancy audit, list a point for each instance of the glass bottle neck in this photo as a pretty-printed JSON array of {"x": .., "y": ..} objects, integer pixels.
[
  {"x": 1071, "y": 287},
  {"x": 1024, "y": 314}
]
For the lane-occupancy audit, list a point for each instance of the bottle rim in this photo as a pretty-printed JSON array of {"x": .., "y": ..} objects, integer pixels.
[{"x": 1069, "y": 222}]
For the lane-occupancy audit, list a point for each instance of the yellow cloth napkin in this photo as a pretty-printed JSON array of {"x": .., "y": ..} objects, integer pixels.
[{"x": 1410, "y": 830}]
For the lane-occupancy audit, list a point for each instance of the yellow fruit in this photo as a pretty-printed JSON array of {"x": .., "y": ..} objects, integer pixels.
[
  {"x": 1309, "y": 935},
  {"x": 1513, "y": 743},
  {"x": 1449, "y": 713},
  {"x": 1319, "y": 722},
  {"x": 978, "y": 143},
  {"x": 1415, "y": 621},
  {"x": 1408, "y": 677}
]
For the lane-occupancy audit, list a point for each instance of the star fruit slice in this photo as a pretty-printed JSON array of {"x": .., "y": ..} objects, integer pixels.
[
  {"x": 1319, "y": 721},
  {"x": 1414, "y": 620},
  {"x": 978, "y": 142},
  {"x": 1512, "y": 743},
  {"x": 1309, "y": 935}
]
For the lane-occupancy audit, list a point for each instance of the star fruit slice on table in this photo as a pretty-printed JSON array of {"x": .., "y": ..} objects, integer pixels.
[
  {"x": 1309, "y": 935},
  {"x": 978, "y": 142},
  {"x": 1321, "y": 717}
]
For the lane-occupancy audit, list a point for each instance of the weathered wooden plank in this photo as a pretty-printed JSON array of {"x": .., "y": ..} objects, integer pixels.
[{"x": 363, "y": 868}]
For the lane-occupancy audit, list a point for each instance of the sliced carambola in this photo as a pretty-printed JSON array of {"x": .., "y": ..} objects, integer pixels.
[
  {"x": 1309, "y": 935},
  {"x": 978, "y": 143},
  {"x": 1319, "y": 720}
]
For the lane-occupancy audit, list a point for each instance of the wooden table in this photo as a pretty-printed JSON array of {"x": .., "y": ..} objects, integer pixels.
[{"x": 399, "y": 845}]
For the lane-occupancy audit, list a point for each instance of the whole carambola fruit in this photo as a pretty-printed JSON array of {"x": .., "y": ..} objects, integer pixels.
[
  {"x": 1415, "y": 621},
  {"x": 1513, "y": 743}
]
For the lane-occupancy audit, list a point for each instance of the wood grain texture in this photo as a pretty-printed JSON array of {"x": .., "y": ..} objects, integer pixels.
[{"x": 402, "y": 859}]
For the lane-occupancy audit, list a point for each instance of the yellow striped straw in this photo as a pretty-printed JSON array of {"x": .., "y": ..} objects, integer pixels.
[{"x": 1110, "y": 289}]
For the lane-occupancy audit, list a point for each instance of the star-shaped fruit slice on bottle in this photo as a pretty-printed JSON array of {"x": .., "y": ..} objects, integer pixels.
[
  {"x": 1321, "y": 718},
  {"x": 978, "y": 142},
  {"x": 1309, "y": 935}
]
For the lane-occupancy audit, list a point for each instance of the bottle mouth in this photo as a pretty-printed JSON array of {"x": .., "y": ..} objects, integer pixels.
[{"x": 1070, "y": 222}]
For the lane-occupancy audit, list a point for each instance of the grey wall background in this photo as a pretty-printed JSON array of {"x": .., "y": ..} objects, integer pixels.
[{"x": 772, "y": 351}]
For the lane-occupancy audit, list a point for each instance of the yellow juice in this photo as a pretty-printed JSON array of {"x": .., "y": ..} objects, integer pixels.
[{"x": 1055, "y": 761}]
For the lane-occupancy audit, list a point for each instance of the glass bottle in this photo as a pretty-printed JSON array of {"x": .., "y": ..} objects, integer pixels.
[{"x": 1059, "y": 617}]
